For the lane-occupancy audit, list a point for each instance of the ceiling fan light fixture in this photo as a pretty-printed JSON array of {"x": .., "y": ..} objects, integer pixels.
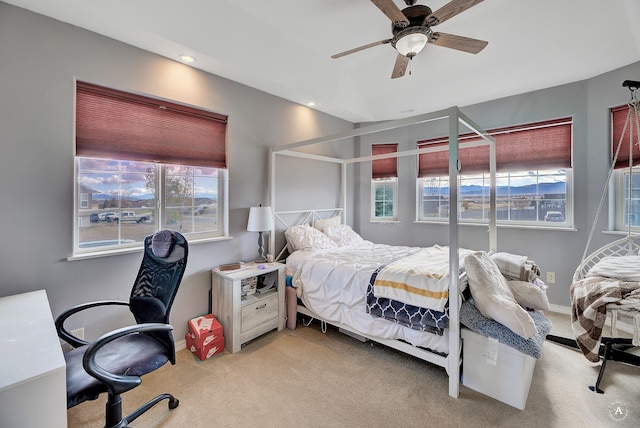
[
  {"x": 410, "y": 41},
  {"x": 412, "y": 44}
]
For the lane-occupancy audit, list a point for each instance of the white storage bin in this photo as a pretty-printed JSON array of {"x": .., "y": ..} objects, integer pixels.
[{"x": 495, "y": 369}]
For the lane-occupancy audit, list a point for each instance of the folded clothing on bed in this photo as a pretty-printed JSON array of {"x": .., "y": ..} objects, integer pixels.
[
  {"x": 414, "y": 317},
  {"x": 421, "y": 279},
  {"x": 515, "y": 267},
  {"x": 471, "y": 318}
]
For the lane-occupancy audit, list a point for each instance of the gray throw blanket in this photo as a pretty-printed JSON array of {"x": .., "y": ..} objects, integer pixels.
[{"x": 471, "y": 318}]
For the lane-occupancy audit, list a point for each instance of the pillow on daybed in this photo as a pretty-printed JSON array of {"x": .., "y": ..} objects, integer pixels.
[
  {"x": 342, "y": 235},
  {"x": 493, "y": 297},
  {"x": 323, "y": 223},
  {"x": 529, "y": 295},
  {"x": 304, "y": 237}
]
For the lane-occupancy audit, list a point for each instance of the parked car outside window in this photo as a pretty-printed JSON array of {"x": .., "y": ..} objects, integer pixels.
[{"x": 556, "y": 216}]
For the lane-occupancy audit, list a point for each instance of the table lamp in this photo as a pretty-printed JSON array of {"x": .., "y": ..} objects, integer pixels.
[{"x": 260, "y": 220}]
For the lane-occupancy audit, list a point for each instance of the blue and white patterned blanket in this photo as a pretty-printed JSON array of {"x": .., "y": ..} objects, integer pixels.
[{"x": 414, "y": 317}]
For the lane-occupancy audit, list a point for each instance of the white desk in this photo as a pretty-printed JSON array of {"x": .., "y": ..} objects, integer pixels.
[{"x": 33, "y": 391}]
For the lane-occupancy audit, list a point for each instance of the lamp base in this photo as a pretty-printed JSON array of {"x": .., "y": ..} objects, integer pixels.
[{"x": 261, "y": 257}]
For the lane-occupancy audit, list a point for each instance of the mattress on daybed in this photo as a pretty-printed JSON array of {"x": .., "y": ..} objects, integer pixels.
[{"x": 332, "y": 283}]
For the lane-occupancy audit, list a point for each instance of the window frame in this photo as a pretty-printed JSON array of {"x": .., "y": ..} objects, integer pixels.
[
  {"x": 384, "y": 172},
  {"x": 155, "y": 131},
  {"x": 375, "y": 183},
  {"x": 618, "y": 199},
  {"x": 566, "y": 224},
  {"x": 160, "y": 216},
  {"x": 509, "y": 163}
]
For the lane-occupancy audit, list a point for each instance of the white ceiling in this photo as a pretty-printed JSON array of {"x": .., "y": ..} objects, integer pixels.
[{"x": 283, "y": 47}]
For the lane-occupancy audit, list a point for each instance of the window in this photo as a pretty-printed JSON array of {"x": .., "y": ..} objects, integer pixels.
[
  {"x": 533, "y": 182},
  {"x": 627, "y": 199},
  {"x": 384, "y": 184},
  {"x": 84, "y": 200},
  {"x": 146, "y": 165}
]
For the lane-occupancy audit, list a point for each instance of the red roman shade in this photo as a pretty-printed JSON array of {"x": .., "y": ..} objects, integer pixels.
[
  {"x": 118, "y": 125},
  {"x": 384, "y": 168},
  {"x": 541, "y": 145},
  {"x": 618, "y": 119}
]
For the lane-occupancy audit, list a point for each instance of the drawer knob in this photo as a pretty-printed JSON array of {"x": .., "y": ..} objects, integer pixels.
[{"x": 264, "y": 305}]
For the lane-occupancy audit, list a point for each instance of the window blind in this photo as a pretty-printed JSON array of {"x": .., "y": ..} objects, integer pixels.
[
  {"x": 618, "y": 119},
  {"x": 384, "y": 168},
  {"x": 540, "y": 145},
  {"x": 114, "y": 124}
]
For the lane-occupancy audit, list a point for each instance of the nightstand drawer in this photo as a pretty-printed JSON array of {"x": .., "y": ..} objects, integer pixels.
[{"x": 259, "y": 311}]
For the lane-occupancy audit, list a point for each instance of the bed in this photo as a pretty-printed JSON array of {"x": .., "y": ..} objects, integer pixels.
[
  {"x": 401, "y": 293},
  {"x": 443, "y": 350},
  {"x": 336, "y": 285}
]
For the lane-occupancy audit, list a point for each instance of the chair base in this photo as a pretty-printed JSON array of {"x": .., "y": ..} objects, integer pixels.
[
  {"x": 611, "y": 349},
  {"x": 114, "y": 417}
]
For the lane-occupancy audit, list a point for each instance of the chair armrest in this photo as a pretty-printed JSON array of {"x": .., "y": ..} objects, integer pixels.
[
  {"x": 65, "y": 335},
  {"x": 117, "y": 384}
]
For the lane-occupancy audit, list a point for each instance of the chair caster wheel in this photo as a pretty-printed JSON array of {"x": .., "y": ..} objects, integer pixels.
[
  {"x": 598, "y": 390},
  {"x": 173, "y": 403}
]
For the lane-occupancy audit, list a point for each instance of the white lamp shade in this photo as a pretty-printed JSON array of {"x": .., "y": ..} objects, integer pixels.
[
  {"x": 411, "y": 44},
  {"x": 260, "y": 219}
]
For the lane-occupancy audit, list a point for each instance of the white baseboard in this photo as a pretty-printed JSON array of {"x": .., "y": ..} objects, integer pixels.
[
  {"x": 566, "y": 310},
  {"x": 180, "y": 345}
]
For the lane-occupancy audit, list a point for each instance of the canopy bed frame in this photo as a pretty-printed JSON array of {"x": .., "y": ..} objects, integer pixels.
[{"x": 451, "y": 362}]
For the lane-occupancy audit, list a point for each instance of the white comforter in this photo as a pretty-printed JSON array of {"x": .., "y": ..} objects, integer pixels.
[{"x": 332, "y": 283}]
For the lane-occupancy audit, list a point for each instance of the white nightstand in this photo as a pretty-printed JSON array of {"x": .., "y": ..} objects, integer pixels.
[{"x": 246, "y": 317}]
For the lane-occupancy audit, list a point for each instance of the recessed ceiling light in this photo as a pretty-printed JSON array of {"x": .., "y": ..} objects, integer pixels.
[
  {"x": 405, "y": 111},
  {"x": 311, "y": 103},
  {"x": 188, "y": 59}
]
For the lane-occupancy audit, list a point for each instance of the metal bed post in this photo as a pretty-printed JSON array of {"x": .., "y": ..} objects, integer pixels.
[{"x": 453, "y": 360}]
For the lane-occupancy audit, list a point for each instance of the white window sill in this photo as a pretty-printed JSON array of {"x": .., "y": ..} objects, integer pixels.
[{"x": 136, "y": 249}]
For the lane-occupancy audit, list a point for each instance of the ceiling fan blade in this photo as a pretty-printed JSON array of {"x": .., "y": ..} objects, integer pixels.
[
  {"x": 460, "y": 43},
  {"x": 448, "y": 11},
  {"x": 401, "y": 66},
  {"x": 393, "y": 12},
  {"x": 361, "y": 48}
]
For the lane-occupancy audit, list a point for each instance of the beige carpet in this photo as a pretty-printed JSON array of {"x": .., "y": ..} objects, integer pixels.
[{"x": 304, "y": 378}]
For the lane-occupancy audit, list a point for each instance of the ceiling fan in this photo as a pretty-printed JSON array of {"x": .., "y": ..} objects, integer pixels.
[{"x": 411, "y": 28}]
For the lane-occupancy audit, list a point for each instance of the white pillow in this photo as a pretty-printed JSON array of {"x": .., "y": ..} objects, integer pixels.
[
  {"x": 304, "y": 237},
  {"x": 343, "y": 235},
  {"x": 529, "y": 295},
  {"x": 494, "y": 298},
  {"x": 323, "y": 223},
  {"x": 624, "y": 268}
]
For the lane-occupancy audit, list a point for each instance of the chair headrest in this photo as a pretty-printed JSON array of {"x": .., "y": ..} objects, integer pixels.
[{"x": 162, "y": 243}]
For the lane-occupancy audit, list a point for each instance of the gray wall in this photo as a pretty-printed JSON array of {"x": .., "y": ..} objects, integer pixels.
[
  {"x": 40, "y": 58},
  {"x": 559, "y": 251}
]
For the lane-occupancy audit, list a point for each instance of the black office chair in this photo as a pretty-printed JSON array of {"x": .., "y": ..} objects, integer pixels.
[{"x": 116, "y": 360}]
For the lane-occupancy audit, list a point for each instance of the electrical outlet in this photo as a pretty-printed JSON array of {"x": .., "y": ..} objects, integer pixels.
[
  {"x": 551, "y": 277},
  {"x": 78, "y": 332}
]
